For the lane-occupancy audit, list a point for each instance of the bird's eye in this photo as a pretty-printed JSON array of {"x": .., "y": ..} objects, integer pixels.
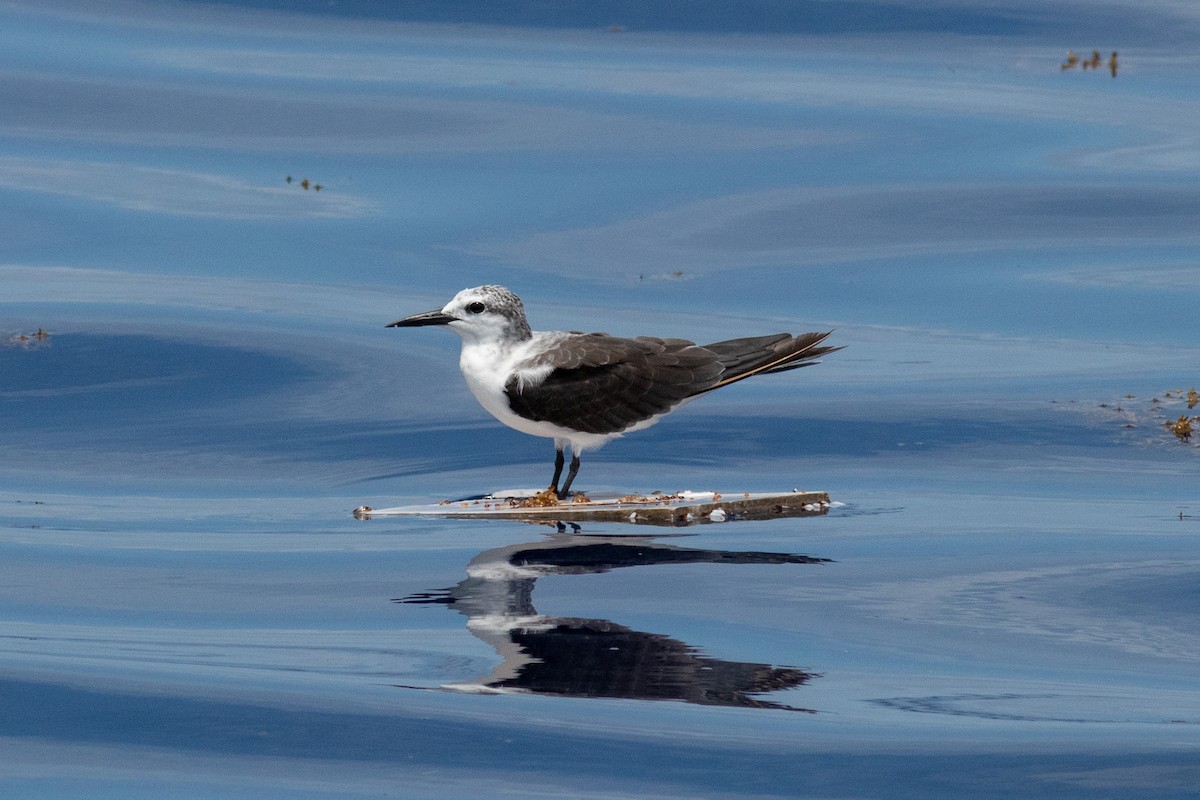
[{"x": 476, "y": 307}]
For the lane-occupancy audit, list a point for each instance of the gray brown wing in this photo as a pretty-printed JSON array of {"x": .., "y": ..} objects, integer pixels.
[{"x": 605, "y": 384}]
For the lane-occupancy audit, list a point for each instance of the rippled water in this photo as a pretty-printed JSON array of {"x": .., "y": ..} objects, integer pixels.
[{"x": 1002, "y": 602}]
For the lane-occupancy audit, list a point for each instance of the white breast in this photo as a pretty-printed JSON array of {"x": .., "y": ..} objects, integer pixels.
[{"x": 487, "y": 367}]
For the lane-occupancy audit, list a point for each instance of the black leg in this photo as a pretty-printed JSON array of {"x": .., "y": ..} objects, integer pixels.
[
  {"x": 558, "y": 465},
  {"x": 570, "y": 475}
]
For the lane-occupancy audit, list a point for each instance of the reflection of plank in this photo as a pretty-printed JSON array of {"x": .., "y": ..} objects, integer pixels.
[{"x": 682, "y": 508}]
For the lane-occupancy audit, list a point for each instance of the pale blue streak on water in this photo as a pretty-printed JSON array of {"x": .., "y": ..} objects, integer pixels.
[{"x": 1003, "y": 607}]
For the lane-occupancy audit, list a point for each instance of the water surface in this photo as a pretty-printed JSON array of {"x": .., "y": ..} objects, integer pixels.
[{"x": 1002, "y": 603}]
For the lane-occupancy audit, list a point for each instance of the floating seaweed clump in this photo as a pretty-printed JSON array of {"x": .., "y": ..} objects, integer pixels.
[
  {"x": 1182, "y": 427},
  {"x": 1159, "y": 412},
  {"x": 28, "y": 340},
  {"x": 1094, "y": 62},
  {"x": 305, "y": 184}
]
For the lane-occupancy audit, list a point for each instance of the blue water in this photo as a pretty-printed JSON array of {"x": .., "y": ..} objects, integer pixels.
[{"x": 1002, "y": 602}]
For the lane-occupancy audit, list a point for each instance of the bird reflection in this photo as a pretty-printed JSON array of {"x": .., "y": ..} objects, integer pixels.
[{"x": 579, "y": 657}]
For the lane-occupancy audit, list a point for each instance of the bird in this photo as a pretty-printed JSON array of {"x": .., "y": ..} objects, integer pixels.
[{"x": 585, "y": 389}]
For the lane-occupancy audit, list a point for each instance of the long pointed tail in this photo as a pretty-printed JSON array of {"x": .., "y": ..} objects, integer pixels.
[{"x": 756, "y": 355}]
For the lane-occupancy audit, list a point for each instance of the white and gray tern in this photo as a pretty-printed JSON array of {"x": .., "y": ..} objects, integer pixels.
[{"x": 584, "y": 389}]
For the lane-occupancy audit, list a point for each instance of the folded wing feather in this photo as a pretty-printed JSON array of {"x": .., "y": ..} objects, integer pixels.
[{"x": 602, "y": 384}]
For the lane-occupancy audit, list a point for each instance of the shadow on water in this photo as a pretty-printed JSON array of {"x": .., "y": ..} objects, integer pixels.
[{"x": 579, "y": 657}]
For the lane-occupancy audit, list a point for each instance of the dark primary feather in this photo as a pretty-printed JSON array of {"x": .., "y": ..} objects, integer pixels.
[
  {"x": 757, "y": 355},
  {"x": 605, "y": 384}
]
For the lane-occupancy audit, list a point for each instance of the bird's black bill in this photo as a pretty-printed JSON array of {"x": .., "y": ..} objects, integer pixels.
[{"x": 428, "y": 318}]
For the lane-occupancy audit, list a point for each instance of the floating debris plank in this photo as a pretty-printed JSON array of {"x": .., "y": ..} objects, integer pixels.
[{"x": 655, "y": 508}]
